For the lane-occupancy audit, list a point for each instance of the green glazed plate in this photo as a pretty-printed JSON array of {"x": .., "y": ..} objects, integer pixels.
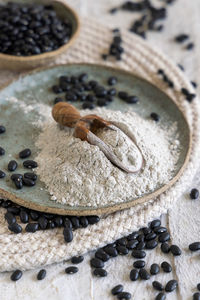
[{"x": 21, "y": 133}]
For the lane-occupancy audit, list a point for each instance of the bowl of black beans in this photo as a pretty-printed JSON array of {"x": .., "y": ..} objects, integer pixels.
[{"x": 35, "y": 33}]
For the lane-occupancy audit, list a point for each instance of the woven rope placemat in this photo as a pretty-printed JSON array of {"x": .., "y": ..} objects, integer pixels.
[{"x": 27, "y": 250}]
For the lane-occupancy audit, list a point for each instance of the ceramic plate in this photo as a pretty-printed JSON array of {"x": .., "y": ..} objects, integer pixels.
[{"x": 21, "y": 132}]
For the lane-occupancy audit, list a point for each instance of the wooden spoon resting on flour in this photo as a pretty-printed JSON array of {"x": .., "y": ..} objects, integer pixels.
[{"x": 85, "y": 128}]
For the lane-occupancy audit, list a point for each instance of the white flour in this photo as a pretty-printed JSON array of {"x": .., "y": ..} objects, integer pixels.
[{"x": 79, "y": 174}]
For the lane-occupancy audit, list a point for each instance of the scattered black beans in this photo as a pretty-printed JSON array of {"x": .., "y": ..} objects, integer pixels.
[
  {"x": 16, "y": 176},
  {"x": 160, "y": 296},
  {"x": 115, "y": 49},
  {"x": 2, "y": 129},
  {"x": 181, "y": 67},
  {"x": 28, "y": 182},
  {"x": 2, "y": 151},
  {"x": 10, "y": 218},
  {"x": 194, "y": 194},
  {"x": 144, "y": 274},
  {"x": 77, "y": 259},
  {"x": 124, "y": 296},
  {"x": 25, "y": 153},
  {"x": 181, "y": 38},
  {"x": 171, "y": 285},
  {"x": 140, "y": 246},
  {"x": 155, "y": 117},
  {"x": 122, "y": 250},
  {"x": 16, "y": 275},
  {"x": 134, "y": 275},
  {"x": 151, "y": 244},
  {"x": 32, "y": 227},
  {"x": 18, "y": 183},
  {"x": 189, "y": 46},
  {"x": 155, "y": 269},
  {"x": 97, "y": 263},
  {"x": 154, "y": 224},
  {"x": 175, "y": 250},
  {"x": 31, "y": 176},
  {"x": 166, "y": 267},
  {"x": 112, "y": 80},
  {"x": 165, "y": 247},
  {"x": 42, "y": 274},
  {"x": 159, "y": 230},
  {"x": 24, "y": 217},
  {"x": 157, "y": 286},
  {"x": 71, "y": 270},
  {"x": 2, "y": 174},
  {"x": 12, "y": 165},
  {"x": 196, "y": 296},
  {"x": 30, "y": 164},
  {"x": 38, "y": 27},
  {"x": 131, "y": 244},
  {"x": 194, "y": 84},
  {"x": 102, "y": 255},
  {"x": 16, "y": 228},
  {"x": 99, "y": 272},
  {"x": 111, "y": 251},
  {"x": 117, "y": 289},
  {"x": 138, "y": 253},
  {"x": 93, "y": 219},
  {"x": 194, "y": 246}
]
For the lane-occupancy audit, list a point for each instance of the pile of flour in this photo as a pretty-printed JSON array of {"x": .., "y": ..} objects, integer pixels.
[{"x": 79, "y": 174}]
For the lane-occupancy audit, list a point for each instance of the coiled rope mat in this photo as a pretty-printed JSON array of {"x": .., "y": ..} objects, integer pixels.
[{"x": 27, "y": 250}]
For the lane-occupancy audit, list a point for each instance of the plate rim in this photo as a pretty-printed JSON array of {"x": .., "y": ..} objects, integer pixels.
[{"x": 75, "y": 211}]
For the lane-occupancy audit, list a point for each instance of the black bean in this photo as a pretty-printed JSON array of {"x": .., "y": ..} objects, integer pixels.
[
  {"x": 16, "y": 275},
  {"x": 51, "y": 225},
  {"x": 164, "y": 237},
  {"x": 24, "y": 217},
  {"x": 2, "y": 151},
  {"x": 113, "y": 10},
  {"x": 194, "y": 84},
  {"x": 111, "y": 251},
  {"x": 28, "y": 182},
  {"x": 71, "y": 270},
  {"x": 100, "y": 91},
  {"x": 140, "y": 238},
  {"x": 10, "y": 218},
  {"x": 2, "y": 174},
  {"x": 175, "y": 250},
  {"x": 181, "y": 67},
  {"x": 122, "y": 250},
  {"x": 132, "y": 244},
  {"x": 57, "y": 100},
  {"x": 83, "y": 77},
  {"x": 112, "y": 92},
  {"x": 84, "y": 222},
  {"x": 157, "y": 286},
  {"x": 150, "y": 236},
  {"x": 166, "y": 267},
  {"x": 196, "y": 296},
  {"x": 12, "y": 165},
  {"x": 138, "y": 253},
  {"x": 88, "y": 105},
  {"x": 97, "y": 263},
  {"x": 93, "y": 219},
  {"x": 18, "y": 183},
  {"x": 77, "y": 259},
  {"x": 32, "y": 227},
  {"x": 68, "y": 234},
  {"x": 101, "y": 102},
  {"x": 124, "y": 296},
  {"x": 91, "y": 98},
  {"x": 160, "y": 296},
  {"x": 42, "y": 221},
  {"x": 16, "y": 176},
  {"x": 139, "y": 264},
  {"x": 159, "y": 230},
  {"x": 99, "y": 272},
  {"x": 2, "y": 129},
  {"x": 102, "y": 255},
  {"x": 16, "y": 228},
  {"x": 58, "y": 221},
  {"x": 189, "y": 46},
  {"x": 121, "y": 241},
  {"x": 117, "y": 289},
  {"x": 109, "y": 98},
  {"x": 141, "y": 246},
  {"x": 190, "y": 97},
  {"x": 155, "y": 269},
  {"x": 30, "y": 164},
  {"x": 132, "y": 99},
  {"x": 134, "y": 275},
  {"x": 194, "y": 246},
  {"x": 171, "y": 285},
  {"x": 123, "y": 95},
  {"x": 146, "y": 230},
  {"x": 144, "y": 274},
  {"x": 151, "y": 244},
  {"x": 75, "y": 222},
  {"x": 112, "y": 80},
  {"x": 198, "y": 286},
  {"x": 42, "y": 274},
  {"x": 194, "y": 194},
  {"x": 154, "y": 224},
  {"x": 34, "y": 215},
  {"x": 25, "y": 153},
  {"x": 31, "y": 176},
  {"x": 67, "y": 223},
  {"x": 155, "y": 117},
  {"x": 56, "y": 89},
  {"x": 165, "y": 247},
  {"x": 133, "y": 236},
  {"x": 14, "y": 210},
  {"x": 181, "y": 38}
]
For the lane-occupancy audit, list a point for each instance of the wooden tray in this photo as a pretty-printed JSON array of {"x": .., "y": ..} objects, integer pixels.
[{"x": 21, "y": 133}]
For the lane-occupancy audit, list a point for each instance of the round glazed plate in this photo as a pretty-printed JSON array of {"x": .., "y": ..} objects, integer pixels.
[{"x": 35, "y": 89}]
